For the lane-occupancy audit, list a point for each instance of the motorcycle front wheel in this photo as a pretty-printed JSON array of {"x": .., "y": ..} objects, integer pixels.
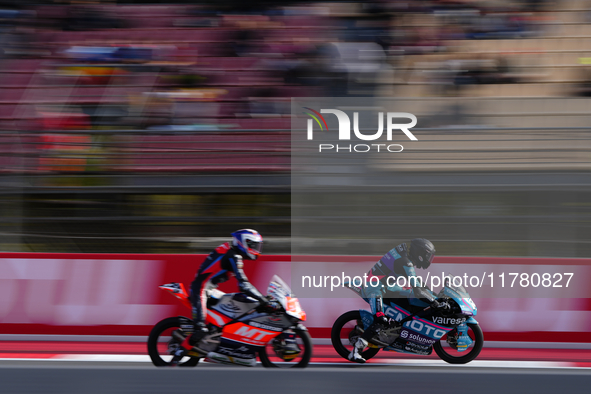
[
  {"x": 270, "y": 354},
  {"x": 448, "y": 354},
  {"x": 163, "y": 341},
  {"x": 345, "y": 332}
]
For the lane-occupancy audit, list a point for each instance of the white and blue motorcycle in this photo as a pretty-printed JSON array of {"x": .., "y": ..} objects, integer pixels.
[{"x": 453, "y": 332}]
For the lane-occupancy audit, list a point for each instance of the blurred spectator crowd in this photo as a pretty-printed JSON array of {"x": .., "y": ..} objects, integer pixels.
[
  {"x": 227, "y": 65},
  {"x": 214, "y": 66},
  {"x": 136, "y": 100}
]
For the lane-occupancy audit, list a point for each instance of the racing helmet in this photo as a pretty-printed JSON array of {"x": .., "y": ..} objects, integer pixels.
[
  {"x": 249, "y": 243},
  {"x": 421, "y": 252}
]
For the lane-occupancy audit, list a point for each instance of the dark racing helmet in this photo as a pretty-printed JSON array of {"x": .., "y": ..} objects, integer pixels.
[
  {"x": 421, "y": 252},
  {"x": 248, "y": 242}
]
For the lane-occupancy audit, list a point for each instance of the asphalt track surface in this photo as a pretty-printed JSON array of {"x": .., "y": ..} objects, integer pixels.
[
  {"x": 85, "y": 367},
  {"x": 19, "y": 376}
]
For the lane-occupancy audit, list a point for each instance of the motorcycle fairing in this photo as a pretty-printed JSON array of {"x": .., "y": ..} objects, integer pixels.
[
  {"x": 425, "y": 328},
  {"x": 178, "y": 291},
  {"x": 272, "y": 322},
  {"x": 398, "y": 346},
  {"x": 292, "y": 307},
  {"x": 466, "y": 304},
  {"x": 281, "y": 292},
  {"x": 216, "y": 318},
  {"x": 403, "y": 346},
  {"x": 433, "y": 331},
  {"x": 416, "y": 328},
  {"x": 234, "y": 305},
  {"x": 231, "y": 349},
  {"x": 247, "y": 334}
]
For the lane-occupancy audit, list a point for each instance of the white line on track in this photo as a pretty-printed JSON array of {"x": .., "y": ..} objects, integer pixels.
[
  {"x": 316, "y": 341},
  {"x": 406, "y": 362}
]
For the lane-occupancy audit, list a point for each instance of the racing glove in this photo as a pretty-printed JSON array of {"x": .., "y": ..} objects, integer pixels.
[
  {"x": 263, "y": 303},
  {"x": 274, "y": 305},
  {"x": 269, "y": 306},
  {"x": 440, "y": 304}
]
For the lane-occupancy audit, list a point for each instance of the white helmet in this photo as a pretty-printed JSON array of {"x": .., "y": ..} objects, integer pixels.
[{"x": 249, "y": 242}]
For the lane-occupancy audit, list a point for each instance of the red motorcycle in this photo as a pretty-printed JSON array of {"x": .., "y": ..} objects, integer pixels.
[{"x": 237, "y": 318}]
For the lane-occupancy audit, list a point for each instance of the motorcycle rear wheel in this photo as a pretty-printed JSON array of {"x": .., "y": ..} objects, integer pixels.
[
  {"x": 345, "y": 327},
  {"x": 266, "y": 354},
  {"x": 467, "y": 355},
  {"x": 160, "y": 342}
]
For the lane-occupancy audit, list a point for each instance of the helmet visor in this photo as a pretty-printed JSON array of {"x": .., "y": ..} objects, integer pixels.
[
  {"x": 429, "y": 256},
  {"x": 256, "y": 247}
]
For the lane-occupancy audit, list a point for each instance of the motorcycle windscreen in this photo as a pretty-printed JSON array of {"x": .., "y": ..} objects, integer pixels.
[
  {"x": 279, "y": 290},
  {"x": 462, "y": 298},
  {"x": 454, "y": 283}
]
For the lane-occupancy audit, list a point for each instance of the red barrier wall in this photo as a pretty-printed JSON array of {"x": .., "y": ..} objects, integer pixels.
[{"x": 117, "y": 294}]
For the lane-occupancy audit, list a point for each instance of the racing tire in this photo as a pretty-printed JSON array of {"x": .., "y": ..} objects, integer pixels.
[
  {"x": 335, "y": 335},
  {"x": 155, "y": 350},
  {"x": 473, "y": 352},
  {"x": 306, "y": 340}
]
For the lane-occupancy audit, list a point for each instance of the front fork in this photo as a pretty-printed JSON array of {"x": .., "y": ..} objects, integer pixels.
[
  {"x": 287, "y": 341},
  {"x": 463, "y": 339}
]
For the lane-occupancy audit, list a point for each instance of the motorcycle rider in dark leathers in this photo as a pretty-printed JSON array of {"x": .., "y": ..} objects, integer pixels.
[
  {"x": 400, "y": 261},
  {"x": 224, "y": 261}
]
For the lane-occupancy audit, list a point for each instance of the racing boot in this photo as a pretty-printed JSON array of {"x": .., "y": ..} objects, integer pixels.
[
  {"x": 355, "y": 354},
  {"x": 200, "y": 330},
  {"x": 177, "y": 356}
]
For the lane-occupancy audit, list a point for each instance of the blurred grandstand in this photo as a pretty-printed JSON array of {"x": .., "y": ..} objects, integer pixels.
[{"x": 162, "y": 127}]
